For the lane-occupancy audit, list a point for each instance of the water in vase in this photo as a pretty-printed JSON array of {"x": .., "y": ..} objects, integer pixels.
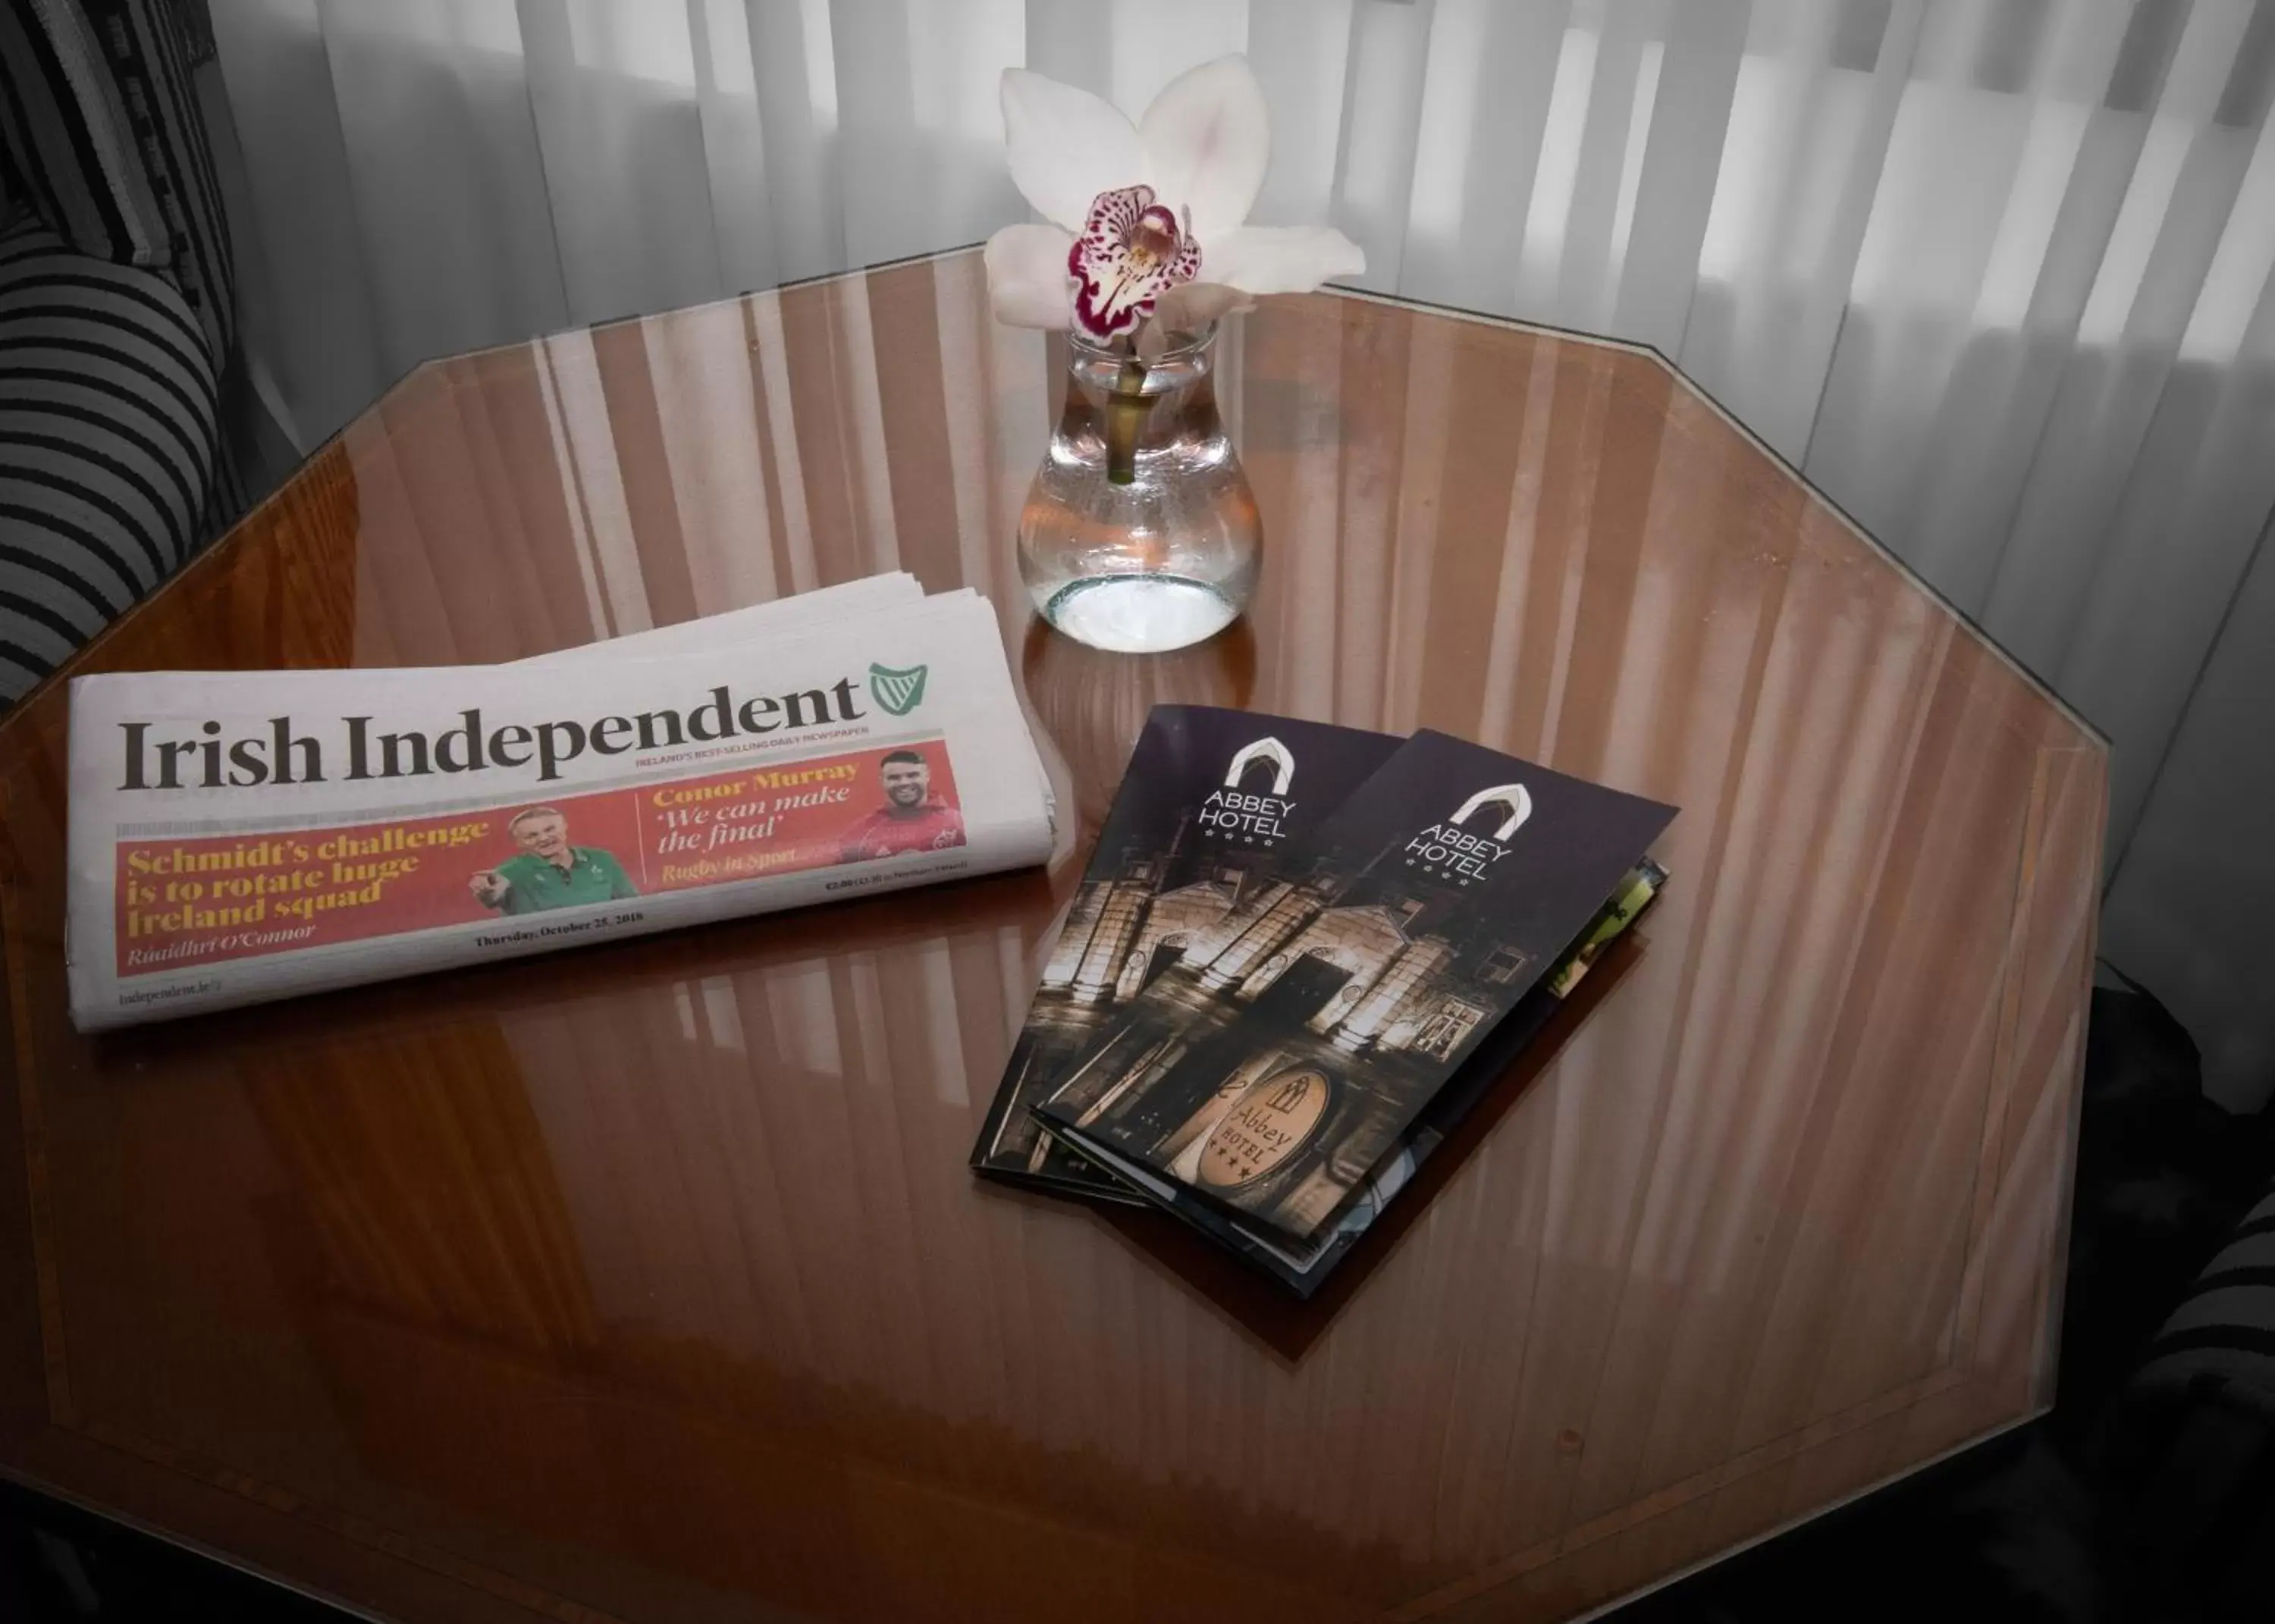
[{"x": 1140, "y": 533}]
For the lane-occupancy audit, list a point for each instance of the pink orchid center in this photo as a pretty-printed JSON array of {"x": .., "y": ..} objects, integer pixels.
[
  {"x": 1131, "y": 251},
  {"x": 1154, "y": 242}
]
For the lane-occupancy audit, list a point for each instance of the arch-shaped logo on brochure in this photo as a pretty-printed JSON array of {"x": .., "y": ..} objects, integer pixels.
[
  {"x": 1511, "y": 798},
  {"x": 1270, "y": 750}
]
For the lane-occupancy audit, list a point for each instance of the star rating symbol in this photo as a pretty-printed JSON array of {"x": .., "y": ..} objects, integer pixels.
[
  {"x": 1410, "y": 862},
  {"x": 1250, "y": 839}
]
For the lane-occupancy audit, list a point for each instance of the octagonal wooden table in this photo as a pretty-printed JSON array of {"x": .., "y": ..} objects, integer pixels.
[{"x": 648, "y": 1282}]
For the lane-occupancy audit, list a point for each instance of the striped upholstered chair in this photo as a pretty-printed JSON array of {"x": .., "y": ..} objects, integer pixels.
[
  {"x": 117, "y": 320},
  {"x": 2194, "y": 1438}
]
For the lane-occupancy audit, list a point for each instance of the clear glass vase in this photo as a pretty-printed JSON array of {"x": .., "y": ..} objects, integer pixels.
[{"x": 1140, "y": 534}]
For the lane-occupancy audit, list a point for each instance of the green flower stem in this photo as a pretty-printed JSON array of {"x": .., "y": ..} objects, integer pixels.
[{"x": 1125, "y": 414}]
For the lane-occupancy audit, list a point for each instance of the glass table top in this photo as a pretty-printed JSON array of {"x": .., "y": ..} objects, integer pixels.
[{"x": 648, "y": 1282}]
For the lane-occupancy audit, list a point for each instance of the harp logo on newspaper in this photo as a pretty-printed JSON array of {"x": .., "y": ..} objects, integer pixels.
[
  {"x": 568, "y": 864},
  {"x": 360, "y": 747},
  {"x": 898, "y": 692}
]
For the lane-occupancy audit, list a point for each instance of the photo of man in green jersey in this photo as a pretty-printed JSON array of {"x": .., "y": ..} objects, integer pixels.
[{"x": 548, "y": 872}]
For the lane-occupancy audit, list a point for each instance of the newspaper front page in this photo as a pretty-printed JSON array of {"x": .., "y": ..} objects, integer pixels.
[
  {"x": 242, "y": 836},
  {"x": 735, "y": 628}
]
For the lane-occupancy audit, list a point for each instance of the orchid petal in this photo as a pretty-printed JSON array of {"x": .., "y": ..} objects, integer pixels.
[
  {"x": 1065, "y": 146},
  {"x": 1186, "y": 309},
  {"x": 1192, "y": 306},
  {"x": 1268, "y": 258},
  {"x": 1027, "y": 280},
  {"x": 1207, "y": 138},
  {"x": 1130, "y": 254}
]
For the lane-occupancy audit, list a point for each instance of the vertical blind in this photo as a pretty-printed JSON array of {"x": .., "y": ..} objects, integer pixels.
[{"x": 1994, "y": 272}]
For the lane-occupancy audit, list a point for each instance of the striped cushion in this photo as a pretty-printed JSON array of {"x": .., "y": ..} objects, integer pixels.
[
  {"x": 2192, "y": 1441},
  {"x": 103, "y": 132},
  {"x": 68, "y": 140},
  {"x": 108, "y": 436},
  {"x": 2225, "y": 1327}
]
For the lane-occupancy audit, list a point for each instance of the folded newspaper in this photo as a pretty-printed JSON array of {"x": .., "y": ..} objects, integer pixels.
[{"x": 242, "y": 836}]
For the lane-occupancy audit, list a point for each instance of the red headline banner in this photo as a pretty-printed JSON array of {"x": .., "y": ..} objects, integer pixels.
[{"x": 182, "y": 902}]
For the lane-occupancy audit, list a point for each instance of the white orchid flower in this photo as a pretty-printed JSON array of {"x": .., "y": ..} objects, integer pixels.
[{"x": 1147, "y": 229}]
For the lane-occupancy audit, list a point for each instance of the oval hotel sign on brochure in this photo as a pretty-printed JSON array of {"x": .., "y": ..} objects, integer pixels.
[{"x": 1273, "y": 1121}]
